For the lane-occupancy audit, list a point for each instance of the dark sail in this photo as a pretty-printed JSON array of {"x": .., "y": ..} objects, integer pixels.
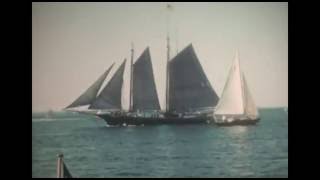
[
  {"x": 110, "y": 96},
  {"x": 90, "y": 94},
  {"x": 189, "y": 88},
  {"x": 144, "y": 89}
]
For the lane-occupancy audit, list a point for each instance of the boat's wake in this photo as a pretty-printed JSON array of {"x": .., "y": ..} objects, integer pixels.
[
  {"x": 53, "y": 119},
  {"x": 110, "y": 126}
]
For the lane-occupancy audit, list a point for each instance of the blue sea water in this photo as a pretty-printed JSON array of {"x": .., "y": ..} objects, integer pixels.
[{"x": 93, "y": 150}]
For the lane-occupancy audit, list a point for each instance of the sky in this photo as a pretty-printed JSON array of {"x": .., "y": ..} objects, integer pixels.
[{"x": 74, "y": 43}]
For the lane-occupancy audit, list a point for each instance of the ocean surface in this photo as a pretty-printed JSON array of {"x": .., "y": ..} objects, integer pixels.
[{"x": 93, "y": 150}]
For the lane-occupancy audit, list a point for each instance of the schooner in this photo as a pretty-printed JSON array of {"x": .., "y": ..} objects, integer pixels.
[{"x": 190, "y": 97}]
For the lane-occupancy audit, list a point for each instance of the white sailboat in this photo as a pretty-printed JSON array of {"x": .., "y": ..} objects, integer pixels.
[{"x": 236, "y": 105}]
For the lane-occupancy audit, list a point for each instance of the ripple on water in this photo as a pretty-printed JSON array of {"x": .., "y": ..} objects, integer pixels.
[{"x": 92, "y": 150}]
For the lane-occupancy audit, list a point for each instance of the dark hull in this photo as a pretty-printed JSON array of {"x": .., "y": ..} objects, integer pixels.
[
  {"x": 239, "y": 122},
  {"x": 125, "y": 120}
]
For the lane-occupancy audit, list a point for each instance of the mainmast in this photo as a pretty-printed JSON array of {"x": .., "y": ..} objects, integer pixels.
[
  {"x": 169, "y": 8},
  {"x": 167, "y": 77},
  {"x": 131, "y": 78}
]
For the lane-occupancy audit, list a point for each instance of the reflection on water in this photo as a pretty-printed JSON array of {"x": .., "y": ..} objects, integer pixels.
[{"x": 238, "y": 131}]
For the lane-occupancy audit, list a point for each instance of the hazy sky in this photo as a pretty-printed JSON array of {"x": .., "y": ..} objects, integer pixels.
[{"x": 74, "y": 43}]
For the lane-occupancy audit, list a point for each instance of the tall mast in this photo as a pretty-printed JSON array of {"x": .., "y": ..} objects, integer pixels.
[
  {"x": 167, "y": 78},
  {"x": 169, "y": 8},
  {"x": 131, "y": 78}
]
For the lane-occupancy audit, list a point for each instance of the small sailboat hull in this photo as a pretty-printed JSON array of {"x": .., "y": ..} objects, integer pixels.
[
  {"x": 238, "y": 122},
  {"x": 126, "y": 120}
]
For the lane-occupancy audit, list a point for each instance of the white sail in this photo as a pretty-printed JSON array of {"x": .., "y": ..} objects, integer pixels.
[
  {"x": 250, "y": 107},
  {"x": 231, "y": 101}
]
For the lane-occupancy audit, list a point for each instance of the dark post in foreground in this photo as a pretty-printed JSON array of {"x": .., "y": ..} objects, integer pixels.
[{"x": 62, "y": 171}]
